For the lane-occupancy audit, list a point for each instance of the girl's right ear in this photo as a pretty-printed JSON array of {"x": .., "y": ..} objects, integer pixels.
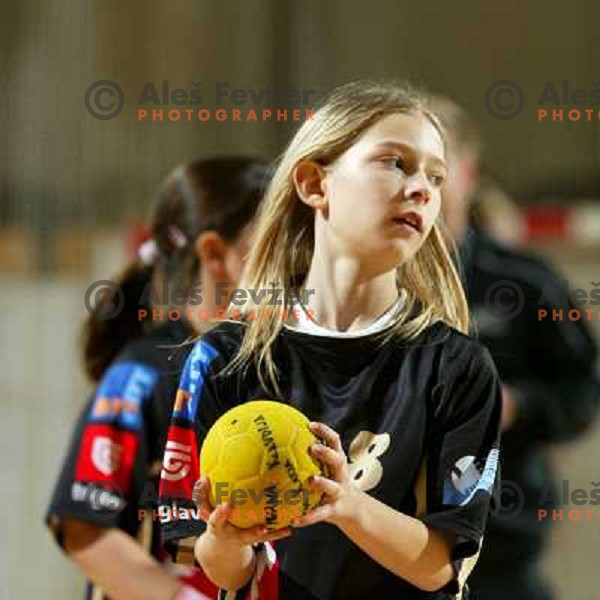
[{"x": 308, "y": 181}]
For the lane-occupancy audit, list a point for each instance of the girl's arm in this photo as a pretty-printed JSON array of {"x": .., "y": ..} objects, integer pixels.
[
  {"x": 115, "y": 561},
  {"x": 222, "y": 538},
  {"x": 404, "y": 545},
  {"x": 231, "y": 574}
]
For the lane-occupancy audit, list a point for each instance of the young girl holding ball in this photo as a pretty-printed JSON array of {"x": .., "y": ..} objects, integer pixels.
[{"x": 408, "y": 405}]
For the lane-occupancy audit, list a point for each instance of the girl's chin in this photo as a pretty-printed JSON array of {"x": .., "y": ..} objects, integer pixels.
[
  {"x": 386, "y": 254},
  {"x": 392, "y": 258},
  {"x": 406, "y": 249}
]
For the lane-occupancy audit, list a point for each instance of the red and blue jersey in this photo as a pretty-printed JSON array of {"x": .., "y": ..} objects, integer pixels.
[{"x": 110, "y": 472}]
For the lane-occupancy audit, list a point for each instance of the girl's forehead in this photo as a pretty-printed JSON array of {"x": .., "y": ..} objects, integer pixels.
[{"x": 413, "y": 130}]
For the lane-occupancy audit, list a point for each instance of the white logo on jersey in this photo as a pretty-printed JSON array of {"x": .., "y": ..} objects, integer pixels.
[
  {"x": 468, "y": 477},
  {"x": 176, "y": 461},
  {"x": 365, "y": 469},
  {"x": 465, "y": 474},
  {"x": 106, "y": 455}
]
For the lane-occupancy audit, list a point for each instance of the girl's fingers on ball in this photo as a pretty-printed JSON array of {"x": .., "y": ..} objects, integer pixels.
[
  {"x": 277, "y": 535},
  {"x": 324, "y": 484},
  {"x": 200, "y": 493},
  {"x": 259, "y": 533},
  {"x": 314, "y": 515},
  {"x": 331, "y": 436},
  {"x": 197, "y": 492},
  {"x": 258, "y": 530},
  {"x": 252, "y": 535},
  {"x": 332, "y": 459},
  {"x": 219, "y": 516}
]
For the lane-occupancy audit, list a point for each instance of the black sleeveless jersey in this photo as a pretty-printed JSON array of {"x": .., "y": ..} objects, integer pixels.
[{"x": 419, "y": 422}]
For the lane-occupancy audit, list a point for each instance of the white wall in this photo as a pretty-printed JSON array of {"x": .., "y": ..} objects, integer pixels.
[{"x": 41, "y": 390}]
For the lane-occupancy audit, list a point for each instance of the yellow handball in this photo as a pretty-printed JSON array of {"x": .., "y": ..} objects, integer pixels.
[{"x": 257, "y": 458}]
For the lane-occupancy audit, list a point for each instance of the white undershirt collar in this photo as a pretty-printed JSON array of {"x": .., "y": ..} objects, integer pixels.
[{"x": 307, "y": 325}]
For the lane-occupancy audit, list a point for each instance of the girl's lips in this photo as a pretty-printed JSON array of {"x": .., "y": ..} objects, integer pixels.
[
  {"x": 406, "y": 227},
  {"x": 412, "y": 220}
]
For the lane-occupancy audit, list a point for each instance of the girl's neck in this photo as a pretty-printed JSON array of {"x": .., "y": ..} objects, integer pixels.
[{"x": 344, "y": 299}]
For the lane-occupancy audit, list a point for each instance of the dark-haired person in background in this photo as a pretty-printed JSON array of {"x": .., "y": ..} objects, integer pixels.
[
  {"x": 201, "y": 226},
  {"x": 550, "y": 390}
]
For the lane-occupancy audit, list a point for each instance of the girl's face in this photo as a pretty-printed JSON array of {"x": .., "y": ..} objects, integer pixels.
[
  {"x": 221, "y": 262},
  {"x": 382, "y": 195},
  {"x": 236, "y": 256}
]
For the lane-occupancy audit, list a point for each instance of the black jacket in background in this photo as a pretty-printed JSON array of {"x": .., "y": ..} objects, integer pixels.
[{"x": 550, "y": 364}]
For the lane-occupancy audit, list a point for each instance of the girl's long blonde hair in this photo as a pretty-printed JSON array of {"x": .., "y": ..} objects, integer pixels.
[{"x": 284, "y": 237}]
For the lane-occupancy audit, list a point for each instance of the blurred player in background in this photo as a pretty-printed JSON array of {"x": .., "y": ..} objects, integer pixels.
[
  {"x": 550, "y": 391},
  {"x": 200, "y": 228},
  {"x": 496, "y": 213}
]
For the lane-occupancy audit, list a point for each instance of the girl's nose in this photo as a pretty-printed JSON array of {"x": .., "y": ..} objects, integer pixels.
[{"x": 417, "y": 189}]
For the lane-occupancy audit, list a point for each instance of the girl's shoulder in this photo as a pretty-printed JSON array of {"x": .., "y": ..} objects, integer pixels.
[
  {"x": 456, "y": 351},
  {"x": 224, "y": 339},
  {"x": 164, "y": 346}
]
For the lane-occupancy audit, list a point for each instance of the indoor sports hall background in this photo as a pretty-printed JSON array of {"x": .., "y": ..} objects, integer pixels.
[{"x": 76, "y": 181}]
